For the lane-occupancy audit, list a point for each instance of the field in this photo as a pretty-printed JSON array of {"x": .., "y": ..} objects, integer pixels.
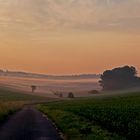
[
  {"x": 7, "y": 94},
  {"x": 11, "y": 101},
  {"x": 105, "y": 118},
  {"x": 16, "y": 91}
]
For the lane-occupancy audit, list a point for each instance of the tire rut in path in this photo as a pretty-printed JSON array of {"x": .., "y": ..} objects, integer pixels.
[{"x": 28, "y": 124}]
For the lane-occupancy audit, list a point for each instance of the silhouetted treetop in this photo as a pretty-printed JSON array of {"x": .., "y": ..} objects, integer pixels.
[{"x": 119, "y": 78}]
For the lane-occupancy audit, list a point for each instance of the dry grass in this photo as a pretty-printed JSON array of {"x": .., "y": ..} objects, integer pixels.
[{"x": 8, "y": 108}]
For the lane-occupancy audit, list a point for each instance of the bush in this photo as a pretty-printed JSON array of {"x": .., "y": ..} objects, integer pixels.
[
  {"x": 70, "y": 95},
  {"x": 93, "y": 92}
]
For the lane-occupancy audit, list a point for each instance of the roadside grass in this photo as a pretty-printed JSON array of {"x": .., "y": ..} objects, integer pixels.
[
  {"x": 109, "y": 118},
  {"x": 8, "y": 108}
]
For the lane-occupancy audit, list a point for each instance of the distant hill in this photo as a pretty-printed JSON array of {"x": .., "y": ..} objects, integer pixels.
[{"x": 45, "y": 76}]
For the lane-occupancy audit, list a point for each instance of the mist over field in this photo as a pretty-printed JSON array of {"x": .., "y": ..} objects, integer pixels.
[{"x": 47, "y": 87}]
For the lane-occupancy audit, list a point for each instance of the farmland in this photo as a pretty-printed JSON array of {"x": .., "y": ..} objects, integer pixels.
[
  {"x": 20, "y": 120},
  {"x": 108, "y": 118},
  {"x": 11, "y": 101}
]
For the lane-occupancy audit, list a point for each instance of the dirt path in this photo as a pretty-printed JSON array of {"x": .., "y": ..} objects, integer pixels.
[{"x": 28, "y": 124}]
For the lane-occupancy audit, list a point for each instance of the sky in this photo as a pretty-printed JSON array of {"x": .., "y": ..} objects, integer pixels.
[{"x": 69, "y": 36}]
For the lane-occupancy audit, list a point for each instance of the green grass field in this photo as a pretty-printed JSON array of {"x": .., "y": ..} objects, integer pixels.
[{"x": 105, "y": 118}]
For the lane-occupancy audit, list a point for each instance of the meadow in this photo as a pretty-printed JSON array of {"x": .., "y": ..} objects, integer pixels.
[{"x": 100, "y": 118}]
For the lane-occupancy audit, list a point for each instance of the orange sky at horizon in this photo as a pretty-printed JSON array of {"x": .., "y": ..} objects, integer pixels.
[
  {"x": 92, "y": 36},
  {"x": 72, "y": 54}
]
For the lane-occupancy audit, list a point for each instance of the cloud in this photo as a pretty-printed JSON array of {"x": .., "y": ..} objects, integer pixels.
[{"x": 35, "y": 16}]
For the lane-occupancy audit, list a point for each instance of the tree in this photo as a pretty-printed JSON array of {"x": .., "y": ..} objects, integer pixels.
[
  {"x": 33, "y": 87},
  {"x": 119, "y": 78}
]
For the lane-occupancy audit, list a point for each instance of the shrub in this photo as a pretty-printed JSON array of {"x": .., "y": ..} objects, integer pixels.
[{"x": 70, "y": 95}]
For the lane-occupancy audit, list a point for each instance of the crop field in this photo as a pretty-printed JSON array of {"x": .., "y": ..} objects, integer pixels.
[{"x": 108, "y": 118}]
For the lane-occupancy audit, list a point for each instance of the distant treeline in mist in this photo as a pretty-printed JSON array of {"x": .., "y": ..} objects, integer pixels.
[{"x": 45, "y": 76}]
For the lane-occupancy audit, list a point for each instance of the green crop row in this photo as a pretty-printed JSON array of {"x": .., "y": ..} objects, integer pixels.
[
  {"x": 119, "y": 115},
  {"x": 75, "y": 127}
]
